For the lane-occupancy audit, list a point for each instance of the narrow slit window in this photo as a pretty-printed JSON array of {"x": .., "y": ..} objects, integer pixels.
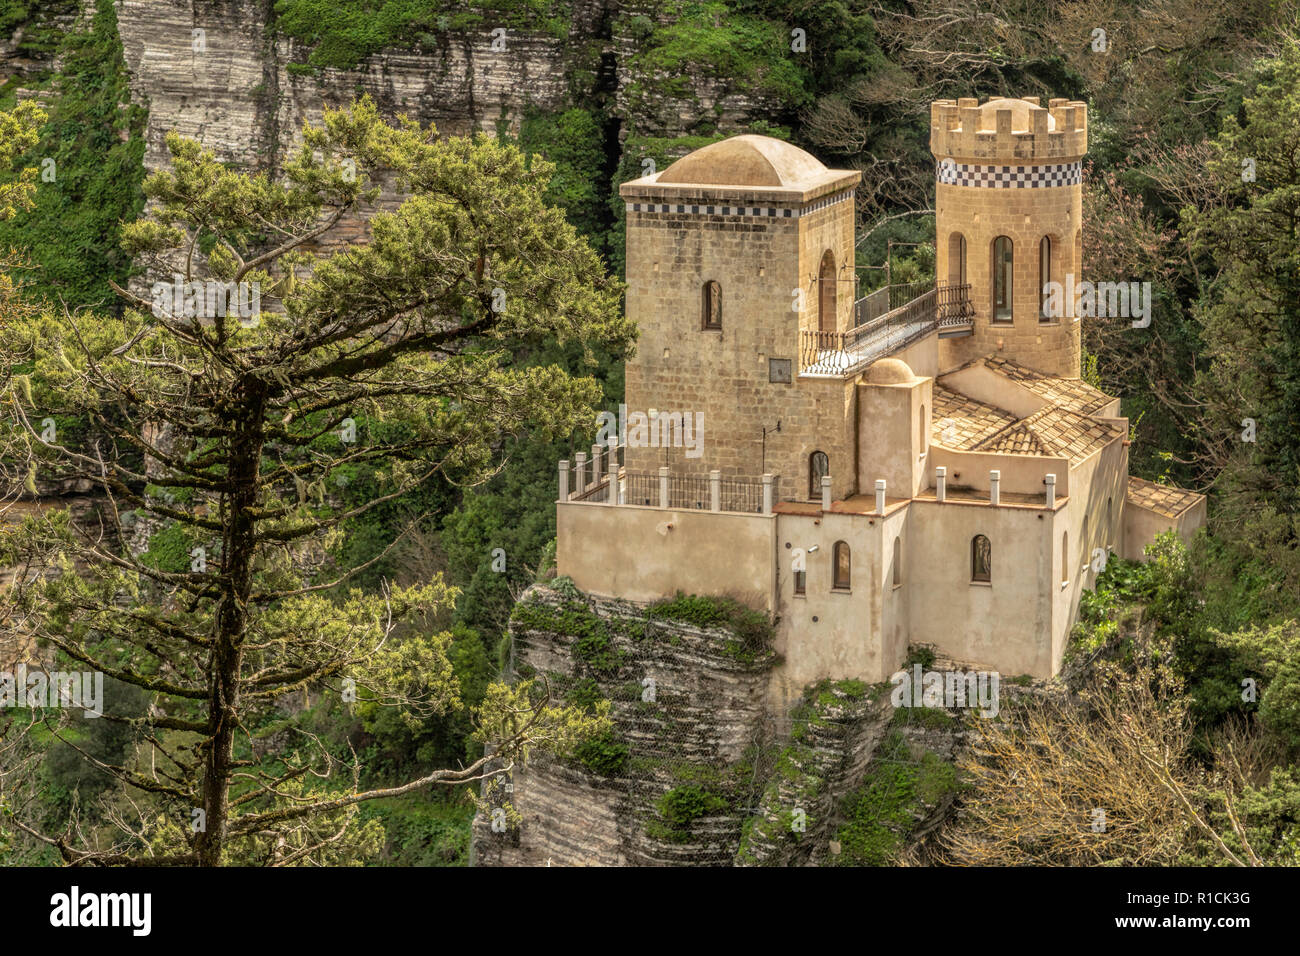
[
  {"x": 981, "y": 559},
  {"x": 1002, "y": 279},
  {"x": 957, "y": 259},
  {"x": 711, "y": 307},
  {"x": 1044, "y": 279},
  {"x": 826, "y": 297}
]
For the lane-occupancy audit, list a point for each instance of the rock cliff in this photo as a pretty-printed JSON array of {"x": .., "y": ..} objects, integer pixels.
[{"x": 698, "y": 770}]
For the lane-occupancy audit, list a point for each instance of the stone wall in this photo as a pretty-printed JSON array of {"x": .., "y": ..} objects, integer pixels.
[
  {"x": 982, "y": 213},
  {"x": 724, "y": 374}
]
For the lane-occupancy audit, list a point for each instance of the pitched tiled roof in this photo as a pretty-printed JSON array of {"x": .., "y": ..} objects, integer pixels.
[
  {"x": 961, "y": 423},
  {"x": 1016, "y": 440},
  {"x": 1072, "y": 393},
  {"x": 1055, "y": 431},
  {"x": 1162, "y": 499}
]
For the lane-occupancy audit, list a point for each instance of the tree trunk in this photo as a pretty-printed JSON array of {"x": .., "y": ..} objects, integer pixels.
[{"x": 236, "y": 577}]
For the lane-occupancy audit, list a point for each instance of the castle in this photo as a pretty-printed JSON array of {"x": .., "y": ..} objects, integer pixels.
[{"x": 922, "y": 465}]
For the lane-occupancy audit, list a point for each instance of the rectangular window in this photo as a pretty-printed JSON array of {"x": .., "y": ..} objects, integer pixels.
[
  {"x": 780, "y": 371},
  {"x": 800, "y": 583}
]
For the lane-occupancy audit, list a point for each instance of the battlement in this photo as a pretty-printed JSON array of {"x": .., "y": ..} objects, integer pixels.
[{"x": 1006, "y": 130}]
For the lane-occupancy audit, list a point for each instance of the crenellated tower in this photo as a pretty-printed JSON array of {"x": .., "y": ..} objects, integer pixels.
[{"x": 1008, "y": 220}]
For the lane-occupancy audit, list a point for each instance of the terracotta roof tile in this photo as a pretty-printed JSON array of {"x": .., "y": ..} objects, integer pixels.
[
  {"x": 961, "y": 423},
  {"x": 1072, "y": 393},
  {"x": 1162, "y": 499}
]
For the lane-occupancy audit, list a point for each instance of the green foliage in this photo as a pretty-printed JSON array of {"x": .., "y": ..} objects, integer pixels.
[
  {"x": 423, "y": 830},
  {"x": 586, "y": 693},
  {"x": 67, "y": 772},
  {"x": 169, "y": 548},
  {"x": 395, "y": 748},
  {"x": 922, "y": 654},
  {"x": 1251, "y": 313},
  {"x": 574, "y": 141},
  {"x": 605, "y": 754},
  {"x": 253, "y": 413},
  {"x": 343, "y": 33},
  {"x": 1271, "y": 655},
  {"x": 897, "y": 794},
  {"x": 682, "y": 806},
  {"x": 39, "y": 20},
  {"x": 713, "y": 39},
  {"x": 94, "y": 136},
  {"x": 753, "y": 629}
]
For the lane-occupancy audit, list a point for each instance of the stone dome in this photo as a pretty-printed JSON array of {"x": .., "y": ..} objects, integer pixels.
[
  {"x": 1020, "y": 121},
  {"x": 890, "y": 372},
  {"x": 746, "y": 160}
]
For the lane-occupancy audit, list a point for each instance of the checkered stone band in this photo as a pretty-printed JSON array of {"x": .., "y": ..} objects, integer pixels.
[
  {"x": 1009, "y": 177},
  {"x": 760, "y": 212}
]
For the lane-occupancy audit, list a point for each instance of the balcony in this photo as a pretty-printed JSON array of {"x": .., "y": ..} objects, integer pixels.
[
  {"x": 664, "y": 489},
  {"x": 885, "y": 322}
]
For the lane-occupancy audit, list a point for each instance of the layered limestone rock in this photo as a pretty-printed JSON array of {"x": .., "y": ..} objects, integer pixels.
[
  {"x": 689, "y": 716},
  {"x": 698, "y": 771},
  {"x": 215, "y": 73}
]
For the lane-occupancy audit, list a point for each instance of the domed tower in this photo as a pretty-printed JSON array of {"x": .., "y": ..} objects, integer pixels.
[
  {"x": 733, "y": 251},
  {"x": 1008, "y": 220}
]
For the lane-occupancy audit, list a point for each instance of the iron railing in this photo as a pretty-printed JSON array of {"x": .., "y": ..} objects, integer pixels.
[
  {"x": 954, "y": 306},
  {"x": 747, "y": 496},
  {"x": 915, "y": 310},
  {"x": 685, "y": 492}
]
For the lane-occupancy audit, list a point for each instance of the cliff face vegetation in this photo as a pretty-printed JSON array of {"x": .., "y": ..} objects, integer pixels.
[{"x": 697, "y": 769}]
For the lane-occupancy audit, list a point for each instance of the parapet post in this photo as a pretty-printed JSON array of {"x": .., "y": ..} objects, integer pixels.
[
  {"x": 995, "y": 482},
  {"x": 941, "y": 482},
  {"x": 595, "y": 464},
  {"x": 663, "y": 486},
  {"x": 715, "y": 490},
  {"x": 880, "y": 496},
  {"x": 826, "y": 492},
  {"x": 1050, "y": 481},
  {"x": 580, "y": 471},
  {"x": 564, "y": 480},
  {"x": 767, "y": 494}
]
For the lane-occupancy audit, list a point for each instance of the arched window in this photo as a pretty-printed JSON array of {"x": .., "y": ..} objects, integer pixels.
[
  {"x": 1002, "y": 279},
  {"x": 922, "y": 433},
  {"x": 1065, "y": 557},
  {"x": 818, "y": 465},
  {"x": 826, "y": 294},
  {"x": 711, "y": 305},
  {"x": 843, "y": 565},
  {"x": 957, "y": 259},
  {"x": 1044, "y": 277},
  {"x": 981, "y": 559},
  {"x": 898, "y": 561}
]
